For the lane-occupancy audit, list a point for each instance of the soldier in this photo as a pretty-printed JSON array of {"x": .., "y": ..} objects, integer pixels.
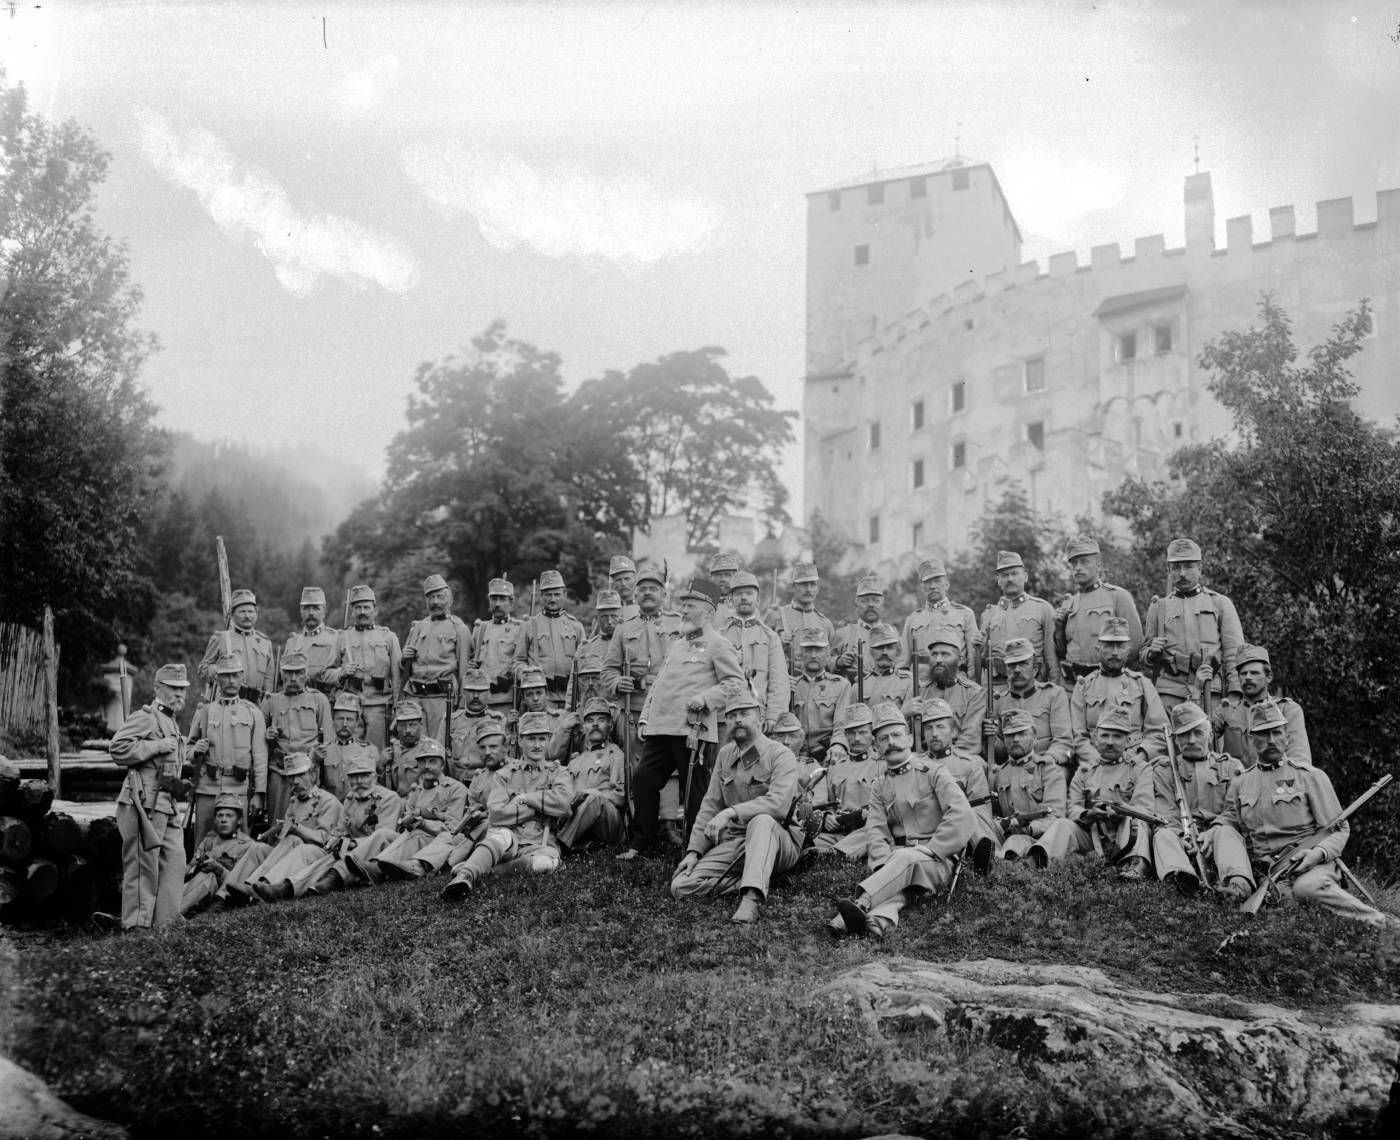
[
  {"x": 155, "y": 789},
  {"x": 886, "y": 683},
  {"x": 434, "y": 807},
  {"x": 1113, "y": 685},
  {"x": 939, "y": 617},
  {"x": 607, "y": 613},
  {"x": 316, "y": 641},
  {"x": 464, "y": 759},
  {"x": 400, "y": 760},
  {"x": 968, "y": 772},
  {"x": 1116, "y": 776},
  {"x": 534, "y": 698},
  {"x": 622, "y": 573},
  {"x": 525, "y": 796},
  {"x": 1045, "y": 704},
  {"x": 598, "y": 783},
  {"x": 821, "y": 698},
  {"x": 723, "y": 567},
  {"x": 228, "y": 740},
  {"x": 451, "y": 848},
  {"x": 1016, "y": 614},
  {"x": 1080, "y": 618},
  {"x": 700, "y": 674},
  {"x": 760, "y": 650},
  {"x": 548, "y": 640},
  {"x": 298, "y": 720},
  {"x": 1028, "y": 789},
  {"x": 369, "y": 823},
  {"x": 368, "y": 661},
  {"x": 851, "y": 643},
  {"x": 852, "y": 771},
  {"x": 738, "y": 842},
  {"x": 335, "y": 768},
  {"x": 787, "y": 731},
  {"x": 439, "y": 653},
  {"x": 1230, "y": 718},
  {"x": 918, "y": 822},
  {"x": 217, "y": 853},
  {"x": 1193, "y": 633},
  {"x": 790, "y": 620},
  {"x": 493, "y": 643},
  {"x": 250, "y": 645},
  {"x": 948, "y": 683},
  {"x": 1271, "y": 806}
]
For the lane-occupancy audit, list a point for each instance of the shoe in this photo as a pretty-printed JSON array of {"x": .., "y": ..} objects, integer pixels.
[
  {"x": 1040, "y": 857},
  {"x": 1236, "y": 889},
  {"x": 672, "y": 834},
  {"x": 1135, "y": 869},
  {"x": 357, "y": 868},
  {"x": 627, "y": 854},
  {"x": 836, "y": 925},
  {"x": 878, "y": 928},
  {"x": 106, "y": 920},
  {"x": 456, "y": 890},
  {"x": 327, "y": 883},
  {"x": 218, "y": 907},
  {"x": 747, "y": 911},
  {"x": 1185, "y": 883},
  {"x": 238, "y": 892},
  {"x": 273, "y": 892},
  {"x": 392, "y": 870},
  {"x": 856, "y": 920},
  {"x": 982, "y": 853}
]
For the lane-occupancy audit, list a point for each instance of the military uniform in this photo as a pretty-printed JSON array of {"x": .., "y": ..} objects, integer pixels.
[
  {"x": 893, "y": 688},
  {"x": 1033, "y": 786},
  {"x": 598, "y": 799},
  {"x": 1200, "y": 627},
  {"x": 400, "y": 763},
  {"x": 253, "y": 650},
  {"x": 217, "y": 857},
  {"x": 945, "y": 619},
  {"x": 1206, "y": 784},
  {"x": 302, "y": 722},
  {"x": 236, "y": 762},
  {"x": 1027, "y": 617},
  {"x": 1230, "y": 723},
  {"x": 1048, "y": 709},
  {"x": 493, "y": 648},
  {"x": 271, "y": 871},
  {"x": 760, "y": 652},
  {"x": 321, "y": 648},
  {"x": 335, "y": 767},
  {"x": 368, "y": 824},
  {"x": 968, "y": 700},
  {"x": 549, "y": 643},
  {"x": 367, "y": 663},
  {"x": 1095, "y": 693},
  {"x": 820, "y": 701},
  {"x": 1080, "y": 619},
  {"x": 431, "y": 813}
]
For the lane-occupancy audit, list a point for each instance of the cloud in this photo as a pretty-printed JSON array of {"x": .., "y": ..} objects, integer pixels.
[
  {"x": 247, "y": 200},
  {"x": 560, "y": 214},
  {"x": 360, "y": 90}
]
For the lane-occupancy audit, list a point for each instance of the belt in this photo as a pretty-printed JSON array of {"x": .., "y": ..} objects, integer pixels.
[
  {"x": 980, "y": 800},
  {"x": 430, "y": 688},
  {"x": 248, "y": 693},
  {"x": 359, "y": 684},
  {"x": 323, "y": 687},
  {"x": 556, "y": 684},
  {"x": 911, "y": 840}
]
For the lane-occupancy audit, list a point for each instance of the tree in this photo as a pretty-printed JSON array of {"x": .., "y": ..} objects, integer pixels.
[
  {"x": 80, "y": 454},
  {"x": 1010, "y": 524}
]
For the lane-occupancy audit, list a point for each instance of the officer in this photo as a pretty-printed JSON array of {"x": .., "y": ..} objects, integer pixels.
[
  {"x": 549, "y": 640},
  {"x": 1016, "y": 614},
  {"x": 368, "y": 660},
  {"x": 1193, "y": 633},
  {"x": 216, "y": 853},
  {"x": 598, "y": 783},
  {"x": 1079, "y": 619},
  {"x": 607, "y": 613},
  {"x": 938, "y": 617},
  {"x": 249, "y": 644},
  {"x": 228, "y": 740},
  {"x": 438, "y": 652},
  {"x": 1045, "y": 704},
  {"x": 316, "y": 641},
  {"x": 369, "y": 823},
  {"x": 1230, "y": 718},
  {"x": 435, "y": 806},
  {"x": 493, "y": 643},
  {"x": 465, "y": 759},
  {"x": 852, "y": 772},
  {"x": 759, "y": 648},
  {"x": 1028, "y": 788},
  {"x": 401, "y": 759},
  {"x": 790, "y": 620},
  {"x": 1113, "y": 685},
  {"x": 622, "y": 573},
  {"x": 948, "y": 683},
  {"x": 821, "y": 698},
  {"x": 886, "y": 682},
  {"x": 851, "y": 643},
  {"x": 298, "y": 720},
  {"x": 917, "y": 825},
  {"x": 155, "y": 793},
  {"x": 526, "y": 796},
  {"x": 969, "y": 772},
  {"x": 738, "y": 842},
  {"x": 335, "y": 768}
]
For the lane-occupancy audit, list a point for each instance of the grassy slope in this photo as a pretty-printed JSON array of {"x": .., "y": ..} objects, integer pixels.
[{"x": 591, "y": 998}]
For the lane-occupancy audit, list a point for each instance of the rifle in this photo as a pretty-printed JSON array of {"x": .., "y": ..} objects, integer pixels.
[
  {"x": 1285, "y": 859},
  {"x": 917, "y": 727},
  {"x": 860, "y": 670},
  {"x": 626, "y": 746},
  {"x": 225, "y": 604},
  {"x": 533, "y": 586},
  {"x": 695, "y": 750},
  {"x": 989, "y": 748},
  {"x": 1190, "y": 837}
]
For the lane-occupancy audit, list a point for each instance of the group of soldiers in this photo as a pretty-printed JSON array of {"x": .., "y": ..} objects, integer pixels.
[{"x": 749, "y": 743}]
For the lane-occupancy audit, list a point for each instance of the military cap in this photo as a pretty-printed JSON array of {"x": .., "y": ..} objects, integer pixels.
[
  {"x": 935, "y": 708},
  {"x": 856, "y": 715},
  {"x": 361, "y": 593},
  {"x": 932, "y": 568},
  {"x": 1115, "y": 719},
  {"x": 701, "y": 590},
  {"x": 945, "y": 635},
  {"x": 1017, "y": 649},
  {"x": 1016, "y": 720},
  {"x": 408, "y": 710},
  {"x": 1115, "y": 629},
  {"x": 434, "y": 582},
  {"x": 476, "y": 681},
  {"x": 230, "y": 801},
  {"x": 1266, "y": 715},
  {"x": 813, "y": 637},
  {"x": 595, "y": 706},
  {"x": 588, "y": 664},
  {"x": 500, "y": 588},
  {"x": 1250, "y": 653},
  {"x": 1009, "y": 560},
  {"x": 743, "y": 580},
  {"x": 360, "y": 764},
  {"x": 294, "y": 660},
  {"x": 883, "y": 634},
  {"x": 650, "y": 573},
  {"x": 296, "y": 764},
  {"x": 532, "y": 679},
  {"x": 229, "y": 663},
  {"x": 869, "y": 586},
  {"x": 534, "y": 724},
  {"x": 621, "y": 564},
  {"x": 887, "y": 715},
  {"x": 487, "y": 727},
  {"x": 431, "y": 746},
  {"x": 1082, "y": 544},
  {"x": 313, "y": 596},
  {"x": 346, "y": 702},
  {"x": 787, "y": 722},
  {"x": 1183, "y": 550},
  {"x": 172, "y": 675},
  {"x": 1187, "y": 716},
  {"x": 551, "y": 580},
  {"x": 608, "y": 600},
  {"x": 743, "y": 699},
  {"x": 805, "y": 572},
  {"x": 242, "y": 598},
  {"x": 723, "y": 561}
]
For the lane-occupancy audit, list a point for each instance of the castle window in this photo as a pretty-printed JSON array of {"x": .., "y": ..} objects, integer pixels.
[
  {"x": 960, "y": 180},
  {"x": 1035, "y": 435},
  {"x": 959, "y": 455},
  {"x": 1035, "y": 374},
  {"x": 833, "y": 199},
  {"x": 916, "y": 535},
  {"x": 875, "y": 195},
  {"x": 916, "y": 415},
  {"x": 1125, "y": 348},
  {"x": 957, "y": 396},
  {"x": 918, "y": 187},
  {"x": 862, "y": 255},
  {"x": 916, "y": 473},
  {"x": 1178, "y": 429},
  {"x": 874, "y": 435},
  {"x": 874, "y": 529},
  {"x": 1162, "y": 338}
]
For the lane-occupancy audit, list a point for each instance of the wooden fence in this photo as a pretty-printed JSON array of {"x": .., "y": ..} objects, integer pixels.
[{"x": 29, "y": 687}]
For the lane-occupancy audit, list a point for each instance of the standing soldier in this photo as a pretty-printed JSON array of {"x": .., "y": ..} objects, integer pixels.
[
  {"x": 250, "y": 645},
  {"x": 790, "y": 620},
  {"x": 1028, "y": 789},
  {"x": 598, "y": 783},
  {"x": 493, "y": 643},
  {"x": 760, "y": 650},
  {"x": 938, "y": 617},
  {"x": 548, "y": 640},
  {"x": 622, "y": 572},
  {"x": 367, "y": 658},
  {"x": 1230, "y": 718},
  {"x": 948, "y": 683},
  {"x": 154, "y": 792},
  {"x": 316, "y": 641},
  {"x": 1016, "y": 614},
  {"x": 607, "y": 613},
  {"x": 1080, "y": 618},
  {"x": 886, "y": 683},
  {"x": 821, "y": 698},
  {"x": 723, "y": 567},
  {"x": 847, "y": 642},
  {"x": 346, "y": 747},
  {"x": 400, "y": 759},
  {"x": 229, "y": 744},
  {"x": 1193, "y": 634},
  {"x": 1113, "y": 686},
  {"x": 1045, "y": 706},
  {"x": 464, "y": 759},
  {"x": 298, "y": 720},
  {"x": 439, "y": 653}
]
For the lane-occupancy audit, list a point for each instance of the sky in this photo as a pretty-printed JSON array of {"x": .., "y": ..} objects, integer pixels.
[{"x": 318, "y": 199}]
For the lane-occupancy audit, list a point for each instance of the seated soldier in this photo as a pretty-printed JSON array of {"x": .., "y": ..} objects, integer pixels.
[
  {"x": 340, "y": 752},
  {"x": 1230, "y": 720},
  {"x": 525, "y": 796},
  {"x": 400, "y": 759},
  {"x": 918, "y": 823},
  {"x": 1028, "y": 790},
  {"x": 216, "y": 854},
  {"x": 1116, "y": 776},
  {"x": 852, "y": 771},
  {"x": 819, "y": 697},
  {"x": 465, "y": 760},
  {"x": 738, "y": 841},
  {"x": 435, "y": 806},
  {"x": 940, "y": 724},
  {"x": 787, "y": 731},
  {"x": 368, "y": 825},
  {"x": 449, "y": 848},
  {"x": 300, "y": 838},
  {"x": 598, "y": 783}
]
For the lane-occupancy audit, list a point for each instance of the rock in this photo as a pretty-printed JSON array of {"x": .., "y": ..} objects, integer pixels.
[
  {"x": 1200, "y": 1062},
  {"x": 29, "y": 1111}
]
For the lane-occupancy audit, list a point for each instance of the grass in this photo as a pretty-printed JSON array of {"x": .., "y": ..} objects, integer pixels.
[{"x": 590, "y": 1000}]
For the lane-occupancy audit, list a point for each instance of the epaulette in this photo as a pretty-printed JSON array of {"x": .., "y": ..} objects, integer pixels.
[
  {"x": 1299, "y": 763},
  {"x": 922, "y": 764},
  {"x": 1127, "y": 672},
  {"x": 902, "y": 673},
  {"x": 1035, "y": 598}
]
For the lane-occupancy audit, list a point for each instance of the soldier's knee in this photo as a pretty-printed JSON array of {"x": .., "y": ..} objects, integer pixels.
[
  {"x": 761, "y": 825},
  {"x": 1314, "y": 883},
  {"x": 542, "y": 862}
]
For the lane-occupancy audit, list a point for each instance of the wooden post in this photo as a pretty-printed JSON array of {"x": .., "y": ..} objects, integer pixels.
[{"x": 51, "y": 699}]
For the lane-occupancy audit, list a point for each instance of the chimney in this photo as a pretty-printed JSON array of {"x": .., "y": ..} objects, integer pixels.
[{"x": 1200, "y": 212}]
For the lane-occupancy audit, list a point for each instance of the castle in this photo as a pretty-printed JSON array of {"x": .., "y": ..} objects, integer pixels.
[{"x": 940, "y": 368}]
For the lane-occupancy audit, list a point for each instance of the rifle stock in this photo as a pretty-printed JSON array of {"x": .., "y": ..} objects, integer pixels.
[
  {"x": 1190, "y": 837},
  {"x": 860, "y": 671}
]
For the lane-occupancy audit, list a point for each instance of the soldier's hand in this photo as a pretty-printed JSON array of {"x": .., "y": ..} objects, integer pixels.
[
  {"x": 1312, "y": 857},
  {"x": 989, "y": 726},
  {"x": 846, "y": 661},
  {"x": 271, "y": 732},
  {"x": 829, "y": 823},
  {"x": 318, "y": 751},
  {"x": 200, "y": 747},
  {"x": 1154, "y": 647},
  {"x": 625, "y": 684},
  {"x": 408, "y": 654},
  {"x": 570, "y": 720},
  {"x": 1205, "y": 674},
  {"x": 1096, "y": 814},
  {"x": 695, "y": 705},
  {"x": 687, "y": 864},
  {"x": 717, "y": 824},
  {"x": 255, "y": 803},
  {"x": 978, "y": 639},
  {"x": 836, "y": 752}
]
